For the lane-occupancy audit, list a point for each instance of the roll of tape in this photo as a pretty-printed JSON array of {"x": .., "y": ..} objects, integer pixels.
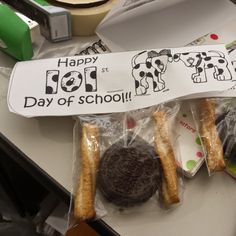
[
  {"x": 81, "y": 2},
  {"x": 85, "y": 20}
]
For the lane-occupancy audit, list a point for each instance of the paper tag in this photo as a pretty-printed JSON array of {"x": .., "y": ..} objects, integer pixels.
[
  {"x": 117, "y": 82},
  {"x": 192, "y": 155}
]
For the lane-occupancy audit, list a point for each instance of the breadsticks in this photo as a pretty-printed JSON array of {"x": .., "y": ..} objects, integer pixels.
[
  {"x": 165, "y": 151},
  {"x": 210, "y": 136},
  {"x": 89, "y": 154}
]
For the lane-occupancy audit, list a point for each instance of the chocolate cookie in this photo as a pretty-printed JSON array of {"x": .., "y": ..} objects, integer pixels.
[
  {"x": 129, "y": 172},
  {"x": 226, "y": 127}
]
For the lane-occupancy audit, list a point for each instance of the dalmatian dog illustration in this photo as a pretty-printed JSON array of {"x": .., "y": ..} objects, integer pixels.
[
  {"x": 232, "y": 52},
  {"x": 202, "y": 62},
  {"x": 147, "y": 70}
]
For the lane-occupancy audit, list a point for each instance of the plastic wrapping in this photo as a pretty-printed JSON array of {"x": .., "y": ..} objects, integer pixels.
[
  {"x": 73, "y": 47},
  {"x": 125, "y": 162},
  {"x": 4, "y": 78},
  {"x": 215, "y": 119}
]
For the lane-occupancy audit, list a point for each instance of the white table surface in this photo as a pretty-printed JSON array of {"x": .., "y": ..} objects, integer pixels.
[{"x": 209, "y": 206}]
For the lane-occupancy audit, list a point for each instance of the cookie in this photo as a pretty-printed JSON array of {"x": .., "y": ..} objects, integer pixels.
[
  {"x": 129, "y": 172},
  {"x": 226, "y": 127}
]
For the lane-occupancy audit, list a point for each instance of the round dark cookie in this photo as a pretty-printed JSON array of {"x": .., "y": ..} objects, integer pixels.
[
  {"x": 129, "y": 172},
  {"x": 226, "y": 127}
]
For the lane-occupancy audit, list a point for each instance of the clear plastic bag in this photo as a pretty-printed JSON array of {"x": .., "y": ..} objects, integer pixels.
[
  {"x": 215, "y": 120},
  {"x": 73, "y": 47},
  {"x": 125, "y": 162}
]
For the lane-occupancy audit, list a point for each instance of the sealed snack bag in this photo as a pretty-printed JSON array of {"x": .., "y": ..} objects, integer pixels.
[
  {"x": 215, "y": 119},
  {"x": 124, "y": 160},
  {"x": 89, "y": 154},
  {"x": 227, "y": 133},
  {"x": 165, "y": 150}
]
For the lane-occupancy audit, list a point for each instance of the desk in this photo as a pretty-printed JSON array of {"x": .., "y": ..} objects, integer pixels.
[
  {"x": 41, "y": 146},
  {"x": 209, "y": 206}
]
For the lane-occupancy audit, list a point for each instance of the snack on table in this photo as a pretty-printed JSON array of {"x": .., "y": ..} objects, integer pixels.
[
  {"x": 89, "y": 154},
  {"x": 165, "y": 151},
  {"x": 210, "y": 136},
  {"x": 129, "y": 172},
  {"x": 226, "y": 123}
]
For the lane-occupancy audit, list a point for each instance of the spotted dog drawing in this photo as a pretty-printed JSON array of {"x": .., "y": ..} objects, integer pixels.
[
  {"x": 232, "y": 52},
  {"x": 147, "y": 69},
  {"x": 202, "y": 61}
]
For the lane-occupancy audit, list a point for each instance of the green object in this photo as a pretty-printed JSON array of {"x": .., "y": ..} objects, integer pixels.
[
  {"x": 198, "y": 141},
  {"x": 231, "y": 167},
  {"x": 191, "y": 164},
  {"x": 42, "y": 2},
  {"x": 15, "y": 37},
  {"x": 54, "y": 22}
]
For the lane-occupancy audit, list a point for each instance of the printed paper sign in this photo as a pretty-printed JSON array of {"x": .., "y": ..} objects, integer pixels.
[
  {"x": 117, "y": 82},
  {"x": 226, "y": 35}
]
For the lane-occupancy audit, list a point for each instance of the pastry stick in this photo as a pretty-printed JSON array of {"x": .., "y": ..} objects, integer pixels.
[
  {"x": 210, "y": 136},
  {"x": 165, "y": 151},
  {"x": 89, "y": 154}
]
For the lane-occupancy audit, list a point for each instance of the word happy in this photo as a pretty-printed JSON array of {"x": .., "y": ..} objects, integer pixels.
[{"x": 66, "y": 62}]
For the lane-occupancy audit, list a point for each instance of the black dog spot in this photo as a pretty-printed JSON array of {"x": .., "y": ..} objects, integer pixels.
[
  {"x": 158, "y": 62},
  {"x": 154, "y": 84},
  {"x": 55, "y": 78},
  {"x": 75, "y": 88},
  {"x": 221, "y": 61},
  {"x": 207, "y": 58},
  {"x": 137, "y": 66},
  {"x": 70, "y": 81},
  {"x": 156, "y": 73},
  {"x": 176, "y": 56},
  {"x": 185, "y": 53},
  {"x": 148, "y": 65},
  {"x": 89, "y": 88},
  {"x": 64, "y": 88},
  {"x": 210, "y": 65},
  {"x": 136, "y": 84},
  {"x": 141, "y": 73},
  {"x": 199, "y": 69},
  {"x": 149, "y": 74},
  {"x": 67, "y": 75},
  {"x": 92, "y": 75},
  {"x": 220, "y": 71},
  {"x": 49, "y": 90}
]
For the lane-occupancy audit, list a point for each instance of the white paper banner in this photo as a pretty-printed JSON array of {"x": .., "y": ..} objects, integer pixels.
[{"x": 117, "y": 82}]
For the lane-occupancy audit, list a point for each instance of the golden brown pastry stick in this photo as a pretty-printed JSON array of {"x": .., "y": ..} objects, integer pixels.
[
  {"x": 210, "y": 136},
  {"x": 165, "y": 151},
  {"x": 89, "y": 154}
]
